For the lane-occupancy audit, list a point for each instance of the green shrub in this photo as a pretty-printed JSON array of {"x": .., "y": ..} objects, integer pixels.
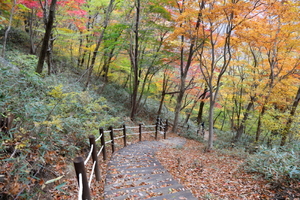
[
  {"x": 278, "y": 164},
  {"x": 53, "y": 120},
  {"x": 16, "y": 37}
]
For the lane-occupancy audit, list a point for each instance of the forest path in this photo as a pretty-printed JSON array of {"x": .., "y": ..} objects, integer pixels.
[{"x": 135, "y": 173}]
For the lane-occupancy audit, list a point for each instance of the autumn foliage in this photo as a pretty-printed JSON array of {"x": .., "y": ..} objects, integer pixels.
[{"x": 228, "y": 68}]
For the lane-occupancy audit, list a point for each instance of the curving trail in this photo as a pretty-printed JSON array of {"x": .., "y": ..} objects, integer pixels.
[{"x": 134, "y": 173}]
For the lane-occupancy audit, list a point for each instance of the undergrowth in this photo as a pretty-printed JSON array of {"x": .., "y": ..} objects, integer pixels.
[
  {"x": 52, "y": 120},
  {"x": 280, "y": 165}
]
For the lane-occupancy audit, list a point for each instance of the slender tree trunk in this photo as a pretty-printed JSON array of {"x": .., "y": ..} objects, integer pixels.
[
  {"x": 106, "y": 64},
  {"x": 185, "y": 66},
  {"x": 95, "y": 53},
  {"x": 49, "y": 55},
  {"x": 290, "y": 119},
  {"x": 192, "y": 109},
  {"x": 182, "y": 88},
  {"x": 258, "y": 130},
  {"x": 202, "y": 103},
  {"x": 241, "y": 127},
  {"x": 32, "y": 33},
  {"x": 40, "y": 65},
  {"x": 135, "y": 64},
  {"x": 80, "y": 50},
  {"x": 179, "y": 101},
  {"x": 162, "y": 99},
  {"x": 211, "y": 122},
  {"x": 8, "y": 28}
]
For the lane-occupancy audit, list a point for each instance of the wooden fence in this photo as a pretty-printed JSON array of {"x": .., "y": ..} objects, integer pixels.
[{"x": 79, "y": 163}]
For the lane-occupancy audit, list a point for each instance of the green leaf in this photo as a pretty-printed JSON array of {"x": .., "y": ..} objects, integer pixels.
[
  {"x": 59, "y": 187},
  {"x": 22, "y": 7},
  {"x": 53, "y": 180}
]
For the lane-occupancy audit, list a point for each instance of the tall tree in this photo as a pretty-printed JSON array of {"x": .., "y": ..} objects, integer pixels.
[
  {"x": 145, "y": 47},
  {"x": 279, "y": 49},
  {"x": 134, "y": 54},
  {"x": 99, "y": 41},
  {"x": 215, "y": 58},
  {"x": 188, "y": 31},
  {"x": 46, "y": 40},
  {"x": 288, "y": 125}
]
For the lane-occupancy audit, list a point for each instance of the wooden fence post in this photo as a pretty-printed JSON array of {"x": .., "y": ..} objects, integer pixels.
[
  {"x": 101, "y": 130},
  {"x": 156, "y": 127},
  {"x": 140, "y": 131},
  {"x": 112, "y": 139},
  {"x": 79, "y": 168},
  {"x": 124, "y": 134},
  {"x": 166, "y": 129},
  {"x": 94, "y": 157},
  {"x": 160, "y": 124}
]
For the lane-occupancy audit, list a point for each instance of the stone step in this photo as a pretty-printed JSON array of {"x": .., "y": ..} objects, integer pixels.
[{"x": 135, "y": 173}]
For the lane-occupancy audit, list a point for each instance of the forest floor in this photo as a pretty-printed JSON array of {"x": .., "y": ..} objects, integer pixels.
[
  {"x": 217, "y": 175},
  {"x": 209, "y": 175}
]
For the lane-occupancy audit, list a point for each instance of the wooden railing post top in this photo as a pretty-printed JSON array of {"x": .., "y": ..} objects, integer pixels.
[
  {"x": 78, "y": 160},
  {"x": 91, "y": 136}
]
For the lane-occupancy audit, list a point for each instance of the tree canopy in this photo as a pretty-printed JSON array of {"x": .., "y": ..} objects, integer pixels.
[{"x": 233, "y": 65}]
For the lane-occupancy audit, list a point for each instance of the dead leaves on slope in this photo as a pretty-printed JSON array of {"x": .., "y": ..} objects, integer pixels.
[{"x": 212, "y": 175}]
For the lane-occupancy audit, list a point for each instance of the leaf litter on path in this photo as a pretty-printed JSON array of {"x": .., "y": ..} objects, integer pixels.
[{"x": 212, "y": 175}]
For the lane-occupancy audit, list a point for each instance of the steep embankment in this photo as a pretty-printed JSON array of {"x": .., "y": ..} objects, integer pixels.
[{"x": 52, "y": 118}]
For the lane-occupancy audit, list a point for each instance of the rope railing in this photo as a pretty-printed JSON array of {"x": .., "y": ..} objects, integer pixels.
[
  {"x": 132, "y": 127},
  {"x": 161, "y": 132},
  {"x": 149, "y": 132},
  {"x": 119, "y": 129},
  {"x": 100, "y": 151},
  {"x": 79, "y": 163},
  {"x": 149, "y": 126},
  {"x": 133, "y": 134},
  {"x": 99, "y": 138},
  {"x": 119, "y": 137},
  {"x": 80, "y": 187},
  {"x": 109, "y": 141},
  {"x": 89, "y": 156},
  {"x": 91, "y": 177}
]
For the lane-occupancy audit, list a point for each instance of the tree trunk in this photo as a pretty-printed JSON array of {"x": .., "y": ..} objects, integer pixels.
[
  {"x": 106, "y": 64},
  {"x": 134, "y": 54},
  {"x": 184, "y": 68},
  {"x": 79, "y": 50},
  {"x": 179, "y": 101},
  {"x": 32, "y": 33},
  {"x": 49, "y": 55},
  {"x": 200, "y": 112},
  {"x": 8, "y": 28},
  {"x": 192, "y": 109},
  {"x": 105, "y": 24},
  {"x": 40, "y": 65},
  {"x": 290, "y": 119},
  {"x": 163, "y": 93},
  {"x": 241, "y": 127},
  {"x": 258, "y": 130},
  {"x": 211, "y": 122}
]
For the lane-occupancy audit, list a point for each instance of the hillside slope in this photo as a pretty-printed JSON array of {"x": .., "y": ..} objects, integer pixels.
[{"x": 51, "y": 119}]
